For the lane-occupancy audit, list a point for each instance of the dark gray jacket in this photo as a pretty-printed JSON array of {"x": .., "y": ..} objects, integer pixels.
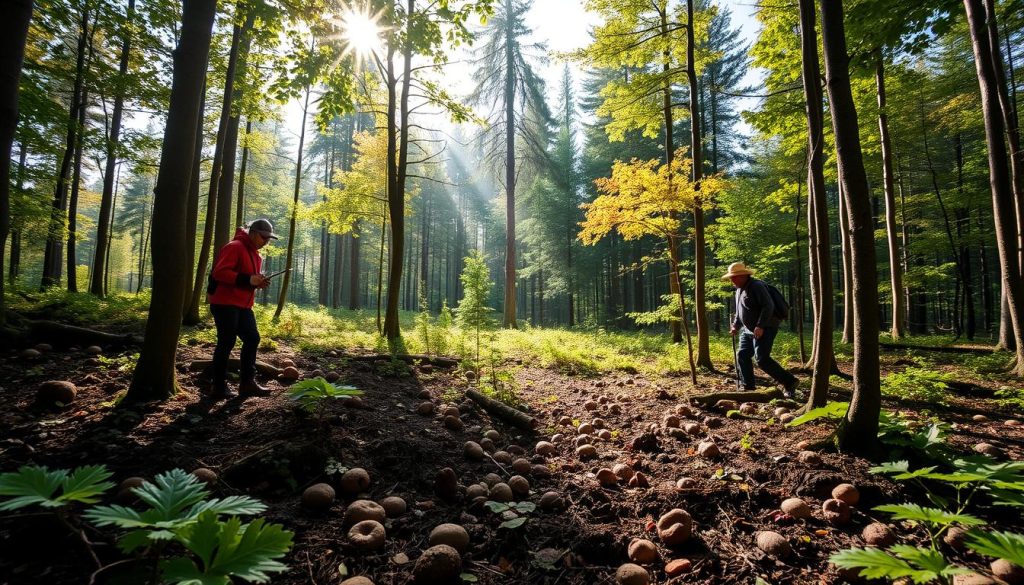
[{"x": 754, "y": 306}]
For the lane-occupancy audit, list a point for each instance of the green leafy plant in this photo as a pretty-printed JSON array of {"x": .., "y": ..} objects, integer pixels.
[
  {"x": 915, "y": 383},
  {"x": 502, "y": 386},
  {"x": 393, "y": 368},
  {"x": 179, "y": 511},
  {"x": 176, "y": 500},
  {"x": 920, "y": 565},
  {"x": 220, "y": 550},
  {"x": 473, "y": 312},
  {"x": 514, "y": 513},
  {"x": 33, "y": 485},
  {"x": 1001, "y": 545},
  {"x": 1010, "y": 398},
  {"x": 967, "y": 478},
  {"x": 747, "y": 441},
  {"x": 832, "y": 410},
  {"x": 313, "y": 394}
]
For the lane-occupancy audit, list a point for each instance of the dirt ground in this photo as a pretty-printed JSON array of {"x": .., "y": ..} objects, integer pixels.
[{"x": 266, "y": 448}]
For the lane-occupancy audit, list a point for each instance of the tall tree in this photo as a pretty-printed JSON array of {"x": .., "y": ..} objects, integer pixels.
[
  {"x": 1004, "y": 213},
  {"x": 153, "y": 378},
  {"x": 112, "y": 144},
  {"x": 817, "y": 211},
  {"x": 53, "y": 251},
  {"x": 507, "y": 83},
  {"x": 697, "y": 170},
  {"x": 286, "y": 278},
  {"x": 13, "y": 31},
  {"x": 859, "y": 432}
]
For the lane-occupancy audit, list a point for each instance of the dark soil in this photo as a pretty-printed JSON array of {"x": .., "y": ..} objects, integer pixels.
[{"x": 266, "y": 448}]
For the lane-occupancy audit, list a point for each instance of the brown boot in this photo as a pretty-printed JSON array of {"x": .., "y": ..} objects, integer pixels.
[{"x": 252, "y": 388}]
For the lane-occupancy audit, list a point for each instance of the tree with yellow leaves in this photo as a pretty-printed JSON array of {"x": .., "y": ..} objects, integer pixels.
[{"x": 645, "y": 198}]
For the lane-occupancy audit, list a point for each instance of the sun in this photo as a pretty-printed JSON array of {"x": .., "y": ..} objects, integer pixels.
[{"x": 360, "y": 31}]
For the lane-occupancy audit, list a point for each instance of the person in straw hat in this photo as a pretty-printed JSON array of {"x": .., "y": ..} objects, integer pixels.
[{"x": 757, "y": 325}]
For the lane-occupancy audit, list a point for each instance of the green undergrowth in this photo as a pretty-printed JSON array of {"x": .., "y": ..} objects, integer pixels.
[{"x": 121, "y": 311}]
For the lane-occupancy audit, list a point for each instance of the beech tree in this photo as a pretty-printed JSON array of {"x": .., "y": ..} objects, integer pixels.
[
  {"x": 14, "y": 31},
  {"x": 859, "y": 431},
  {"x": 154, "y": 378}
]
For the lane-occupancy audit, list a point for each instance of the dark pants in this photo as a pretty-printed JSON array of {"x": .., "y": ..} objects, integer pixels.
[
  {"x": 760, "y": 350},
  {"x": 233, "y": 322}
]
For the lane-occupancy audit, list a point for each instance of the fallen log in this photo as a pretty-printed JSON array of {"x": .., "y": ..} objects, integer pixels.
[
  {"x": 235, "y": 364},
  {"x": 979, "y": 349},
  {"x": 64, "y": 335},
  {"x": 504, "y": 411},
  {"x": 708, "y": 400},
  {"x": 409, "y": 358}
]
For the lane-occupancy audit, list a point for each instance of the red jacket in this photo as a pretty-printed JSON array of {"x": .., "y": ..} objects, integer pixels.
[{"x": 236, "y": 262}]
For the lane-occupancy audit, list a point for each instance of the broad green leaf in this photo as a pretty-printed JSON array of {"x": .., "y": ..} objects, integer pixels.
[
  {"x": 134, "y": 540},
  {"x": 496, "y": 507},
  {"x": 932, "y": 516},
  {"x": 183, "y": 571},
  {"x": 31, "y": 484},
  {"x": 920, "y": 565},
  {"x": 1001, "y": 545},
  {"x": 831, "y": 410},
  {"x": 172, "y": 492},
  {"x": 525, "y": 507},
  {"x": 86, "y": 483},
  {"x": 252, "y": 554},
  {"x": 310, "y": 393},
  {"x": 229, "y": 506},
  {"x": 115, "y": 514},
  {"x": 35, "y": 485},
  {"x": 927, "y": 559},
  {"x": 513, "y": 523},
  {"x": 1007, "y": 498},
  {"x": 901, "y": 470},
  {"x": 203, "y": 536}
]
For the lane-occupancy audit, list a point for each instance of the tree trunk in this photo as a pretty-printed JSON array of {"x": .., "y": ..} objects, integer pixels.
[
  {"x": 12, "y": 53},
  {"x": 1008, "y": 108},
  {"x": 859, "y": 432},
  {"x": 339, "y": 255},
  {"x": 286, "y": 277},
  {"x": 225, "y": 176},
  {"x": 823, "y": 354},
  {"x": 76, "y": 187},
  {"x": 54, "y": 249},
  {"x": 1003, "y": 209},
  {"x": 891, "y": 235},
  {"x": 153, "y": 378},
  {"x": 674, "y": 285},
  {"x": 509, "y": 317},
  {"x": 697, "y": 169},
  {"x": 113, "y": 141},
  {"x": 398, "y": 156},
  {"x": 845, "y": 246},
  {"x": 209, "y": 221},
  {"x": 353, "y": 268},
  {"x": 240, "y": 203},
  {"x": 192, "y": 206},
  {"x": 674, "y": 275}
]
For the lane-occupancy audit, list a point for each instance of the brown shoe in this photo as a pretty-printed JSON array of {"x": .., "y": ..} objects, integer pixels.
[{"x": 252, "y": 388}]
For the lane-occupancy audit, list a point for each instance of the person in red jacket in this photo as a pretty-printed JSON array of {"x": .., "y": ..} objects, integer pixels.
[{"x": 236, "y": 276}]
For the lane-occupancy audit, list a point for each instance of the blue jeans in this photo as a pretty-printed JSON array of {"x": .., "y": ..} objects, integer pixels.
[
  {"x": 759, "y": 350},
  {"x": 234, "y": 322}
]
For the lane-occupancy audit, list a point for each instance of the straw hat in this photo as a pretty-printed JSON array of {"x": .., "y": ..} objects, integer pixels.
[{"x": 737, "y": 269}]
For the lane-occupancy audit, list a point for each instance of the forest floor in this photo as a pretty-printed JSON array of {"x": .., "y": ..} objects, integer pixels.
[{"x": 266, "y": 448}]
